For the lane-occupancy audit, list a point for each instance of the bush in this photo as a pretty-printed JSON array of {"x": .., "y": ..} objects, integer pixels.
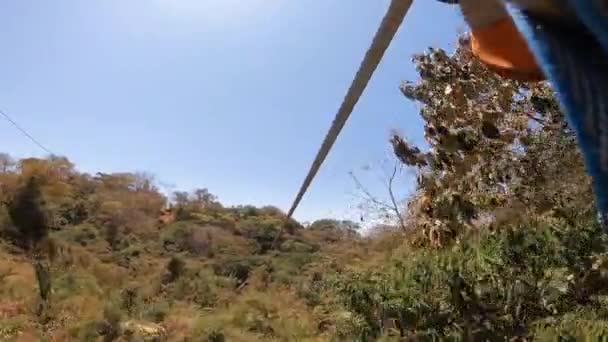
[
  {"x": 200, "y": 288},
  {"x": 216, "y": 336},
  {"x": 110, "y": 327},
  {"x": 298, "y": 246},
  {"x": 83, "y": 234},
  {"x": 6, "y": 229},
  {"x": 262, "y": 229},
  {"x": 186, "y": 236},
  {"x": 236, "y": 268},
  {"x": 10, "y": 328},
  {"x": 87, "y": 331},
  {"x": 289, "y": 267},
  {"x": 581, "y": 326},
  {"x": 176, "y": 268},
  {"x": 129, "y": 299},
  {"x": 157, "y": 311},
  {"x": 129, "y": 254},
  {"x": 492, "y": 285},
  {"x": 68, "y": 284}
]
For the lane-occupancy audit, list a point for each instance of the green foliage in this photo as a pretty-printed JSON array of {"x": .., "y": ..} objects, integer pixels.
[
  {"x": 26, "y": 211},
  {"x": 298, "y": 246},
  {"x": 579, "y": 326},
  {"x": 82, "y": 234},
  {"x": 262, "y": 229},
  {"x": 495, "y": 285},
  {"x": 200, "y": 288},
  {"x": 129, "y": 299},
  {"x": 237, "y": 268},
  {"x": 185, "y": 236},
  {"x": 216, "y": 336},
  {"x": 335, "y": 225},
  {"x": 156, "y": 312},
  {"x": 86, "y": 331},
  {"x": 69, "y": 284},
  {"x": 110, "y": 327},
  {"x": 176, "y": 268},
  {"x": 10, "y": 328},
  {"x": 189, "y": 204},
  {"x": 288, "y": 268},
  {"x": 496, "y": 148},
  {"x": 111, "y": 263}
]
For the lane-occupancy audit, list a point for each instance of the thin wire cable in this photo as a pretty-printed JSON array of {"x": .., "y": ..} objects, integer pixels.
[
  {"x": 388, "y": 28},
  {"x": 24, "y": 132}
]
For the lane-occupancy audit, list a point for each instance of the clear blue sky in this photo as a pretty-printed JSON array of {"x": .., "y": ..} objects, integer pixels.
[{"x": 232, "y": 95}]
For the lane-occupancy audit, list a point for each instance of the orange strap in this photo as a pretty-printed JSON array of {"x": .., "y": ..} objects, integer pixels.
[{"x": 502, "y": 48}]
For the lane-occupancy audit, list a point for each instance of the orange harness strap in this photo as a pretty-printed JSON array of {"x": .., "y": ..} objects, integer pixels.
[{"x": 501, "y": 47}]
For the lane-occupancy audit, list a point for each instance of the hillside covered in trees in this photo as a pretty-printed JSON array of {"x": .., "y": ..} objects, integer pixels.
[{"x": 499, "y": 241}]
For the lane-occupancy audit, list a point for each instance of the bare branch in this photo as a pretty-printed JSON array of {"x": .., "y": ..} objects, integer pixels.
[
  {"x": 393, "y": 207},
  {"x": 370, "y": 197},
  {"x": 392, "y": 195}
]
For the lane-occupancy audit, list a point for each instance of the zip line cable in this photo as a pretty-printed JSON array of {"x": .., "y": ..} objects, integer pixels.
[
  {"x": 24, "y": 132},
  {"x": 388, "y": 28}
]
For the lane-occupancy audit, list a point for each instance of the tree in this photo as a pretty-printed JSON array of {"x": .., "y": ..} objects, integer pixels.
[
  {"x": 143, "y": 181},
  {"x": 181, "y": 198},
  {"x": 53, "y": 168},
  {"x": 203, "y": 197},
  {"x": 27, "y": 213},
  {"x": 183, "y": 206},
  {"x": 496, "y": 148},
  {"x": 116, "y": 181}
]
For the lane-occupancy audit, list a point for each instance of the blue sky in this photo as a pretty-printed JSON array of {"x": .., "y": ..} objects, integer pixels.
[{"x": 232, "y": 95}]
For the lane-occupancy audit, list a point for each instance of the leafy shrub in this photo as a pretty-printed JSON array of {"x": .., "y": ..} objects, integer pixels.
[
  {"x": 184, "y": 236},
  {"x": 216, "y": 336},
  {"x": 296, "y": 246},
  {"x": 200, "y": 288},
  {"x": 499, "y": 285},
  {"x": 238, "y": 268},
  {"x": 110, "y": 327},
  {"x": 176, "y": 268},
  {"x": 262, "y": 229},
  {"x": 11, "y": 327},
  {"x": 290, "y": 267},
  {"x": 157, "y": 311},
  {"x": 129, "y": 299},
  {"x": 83, "y": 234},
  {"x": 68, "y": 284},
  {"x": 86, "y": 331},
  {"x": 130, "y": 252}
]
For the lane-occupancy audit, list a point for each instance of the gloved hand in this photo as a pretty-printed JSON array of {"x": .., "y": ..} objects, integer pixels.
[{"x": 496, "y": 41}]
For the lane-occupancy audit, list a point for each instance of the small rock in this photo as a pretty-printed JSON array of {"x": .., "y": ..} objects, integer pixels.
[{"x": 144, "y": 330}]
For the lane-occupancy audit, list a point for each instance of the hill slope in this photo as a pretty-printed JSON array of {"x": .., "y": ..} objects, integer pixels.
[{"x": 500, "y": 242}]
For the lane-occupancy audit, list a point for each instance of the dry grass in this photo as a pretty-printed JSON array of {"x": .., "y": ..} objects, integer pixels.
[
  {"x": 259, "y": 316},
  {"x": 18, "y": 280},
  {"x": 180, "y": 321}
]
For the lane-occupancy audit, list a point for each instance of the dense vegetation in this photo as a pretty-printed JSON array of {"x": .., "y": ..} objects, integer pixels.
[{"x": 499, "y": 241}]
